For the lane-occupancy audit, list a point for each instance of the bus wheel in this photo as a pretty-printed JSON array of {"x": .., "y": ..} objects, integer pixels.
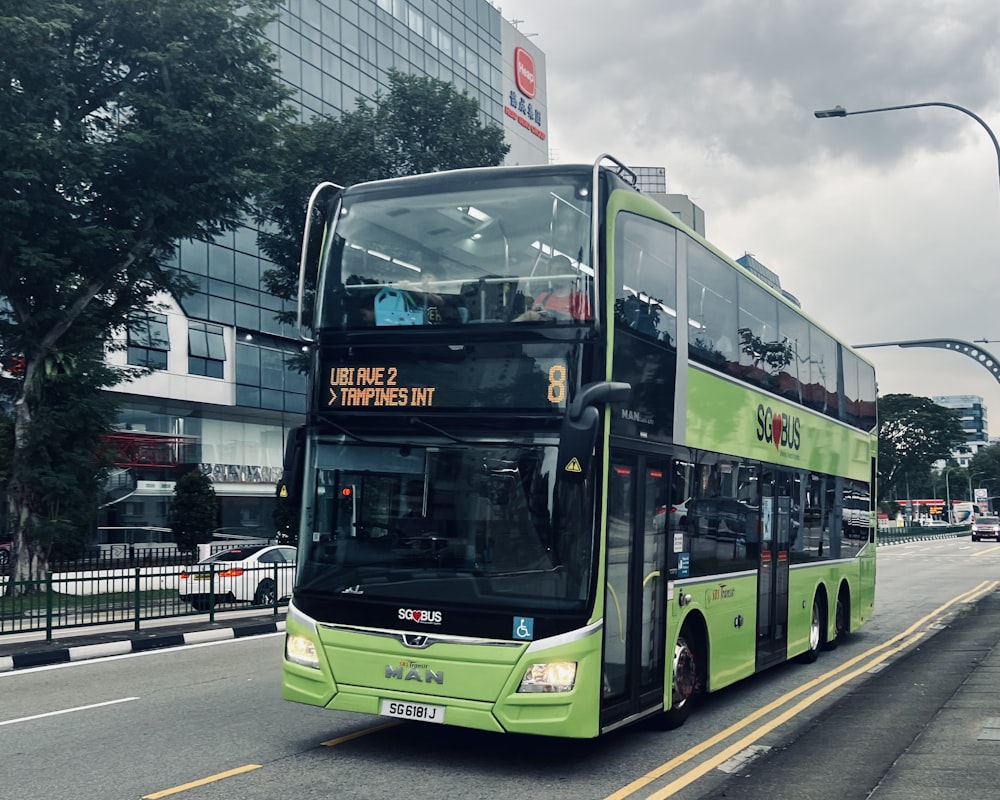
[
  {"x": 840, "y": 624},
  {"x": 686, "y": 683},
  {"x": 817, "y": 626},
  {"x": 265, "y": 594}
]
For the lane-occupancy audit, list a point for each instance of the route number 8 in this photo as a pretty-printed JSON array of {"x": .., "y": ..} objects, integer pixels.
[{"x": 557, "y": 384}]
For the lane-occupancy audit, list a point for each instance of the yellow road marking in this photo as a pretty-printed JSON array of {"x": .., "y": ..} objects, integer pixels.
[
  {"x": 908, "y": 637},
  {"x": 358, "y": 734},
  {"x": 987, "y": 550},
  {"x": 210, "y": 779}
]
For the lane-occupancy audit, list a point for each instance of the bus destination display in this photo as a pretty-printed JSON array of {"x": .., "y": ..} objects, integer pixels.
[
  {"x": 375, "y": 387},
  {"x": 539, "y": 383}
]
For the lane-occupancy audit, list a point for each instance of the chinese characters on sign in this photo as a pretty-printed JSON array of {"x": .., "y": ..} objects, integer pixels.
[{"x": 526, "y": 116}]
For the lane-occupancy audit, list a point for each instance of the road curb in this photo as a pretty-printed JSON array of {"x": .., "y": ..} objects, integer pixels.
[{"x": 141, "y": 643}]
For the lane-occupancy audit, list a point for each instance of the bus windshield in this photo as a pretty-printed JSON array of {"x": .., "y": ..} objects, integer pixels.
[
  {"x": 468, "y": 253},
  {"x": 470, "y": 524}
]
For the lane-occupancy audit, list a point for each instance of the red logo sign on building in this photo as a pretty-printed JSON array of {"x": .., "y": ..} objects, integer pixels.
[{"x": 524, "y": 72}]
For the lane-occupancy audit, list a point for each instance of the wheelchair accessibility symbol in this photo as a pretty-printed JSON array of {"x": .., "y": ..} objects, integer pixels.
[{"x": 524, "y": 628}]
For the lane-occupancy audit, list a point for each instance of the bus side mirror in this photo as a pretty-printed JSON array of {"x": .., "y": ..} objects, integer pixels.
[
  {"x": 576, "y": 445},
  {"x": 290, "y": 486},
  {"x": 578, "y": 434}
]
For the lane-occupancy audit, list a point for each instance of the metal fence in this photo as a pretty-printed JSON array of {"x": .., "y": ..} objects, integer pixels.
[
  {"x": 894, "y": 535},
  {"x": 117, "y": 556},
  {"x": 89, "y": 597}
]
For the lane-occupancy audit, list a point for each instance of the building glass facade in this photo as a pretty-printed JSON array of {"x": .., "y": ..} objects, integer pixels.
[{"x": 971, "y": 410}]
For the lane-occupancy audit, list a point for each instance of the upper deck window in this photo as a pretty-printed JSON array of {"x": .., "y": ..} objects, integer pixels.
[{"x": 504, "y": 251}]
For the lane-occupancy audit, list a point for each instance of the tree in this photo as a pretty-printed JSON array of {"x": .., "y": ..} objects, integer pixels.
[
  {"x": 421, "y": 125},
  {"x": 192, "y": 511},
  {"x": 125, "y": 126},
  {"x": 984, "y": 471},
  {"x": 63, "y": 454},
  {"x": 914, "y": 432}
]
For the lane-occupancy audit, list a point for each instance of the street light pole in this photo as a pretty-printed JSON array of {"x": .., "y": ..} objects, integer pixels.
[
  {"x": 840, "y": 111},
  {"x": 947, "y": 494}
]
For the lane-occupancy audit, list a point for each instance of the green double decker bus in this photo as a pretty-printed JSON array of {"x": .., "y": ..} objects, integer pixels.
[{"x": 566, "y": 466}]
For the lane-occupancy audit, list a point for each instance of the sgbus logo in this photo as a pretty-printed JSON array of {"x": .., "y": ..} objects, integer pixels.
[
  {"x": 781, "y": 430},
  {"x": 524, "y": 72},
  {"x": 417, "y": 615}
]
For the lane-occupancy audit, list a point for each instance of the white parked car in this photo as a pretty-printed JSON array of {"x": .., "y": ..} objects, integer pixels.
[
  {"x": 261, "y": 575},
  {"x": 678, "y": 516}
]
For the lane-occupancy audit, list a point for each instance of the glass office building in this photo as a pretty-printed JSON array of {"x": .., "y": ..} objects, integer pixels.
[{"x": 221, "y": 395}]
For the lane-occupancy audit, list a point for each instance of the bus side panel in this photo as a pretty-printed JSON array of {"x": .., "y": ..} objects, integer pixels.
[
  {"x": 727, "y": 417},
  {"x": 728, "y": 605}
]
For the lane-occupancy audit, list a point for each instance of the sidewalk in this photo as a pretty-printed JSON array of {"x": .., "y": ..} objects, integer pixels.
[{"x": 20, "y": 650}]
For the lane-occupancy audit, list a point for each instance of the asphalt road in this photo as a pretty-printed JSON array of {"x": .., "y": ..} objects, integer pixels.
[{"x": 206, "y": 721}]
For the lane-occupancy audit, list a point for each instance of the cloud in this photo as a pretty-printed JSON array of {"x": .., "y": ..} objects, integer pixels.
[{"x": 884, "y": 225}]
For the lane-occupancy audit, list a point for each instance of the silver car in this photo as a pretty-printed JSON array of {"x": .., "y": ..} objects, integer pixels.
[{"x": 986, "y": 527}]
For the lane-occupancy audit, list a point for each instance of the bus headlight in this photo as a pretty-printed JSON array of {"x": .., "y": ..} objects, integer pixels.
[
  {"x": 301, "y": 650},
  {"x": 559, "y": 676}
]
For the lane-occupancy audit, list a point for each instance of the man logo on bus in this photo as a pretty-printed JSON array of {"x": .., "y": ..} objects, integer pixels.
[
  {"x": 524, "y": 72},
  {"x": 781, "y": 430}
]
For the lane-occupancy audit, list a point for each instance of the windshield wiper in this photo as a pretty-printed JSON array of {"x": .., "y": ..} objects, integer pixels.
[
  {"x": 437, "y": 430},
  {"x": 345, "y": 431}
]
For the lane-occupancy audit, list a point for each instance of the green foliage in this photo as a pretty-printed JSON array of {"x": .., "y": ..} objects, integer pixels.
[
  {"x": 125, "y": 126},
  {"x": 193, "y": 510},
  {"x": 984, "y": 471},
  {"x": 61, "y": 463},
  {"x": 421, "y": 125},
  {"x": 914, "y": 432}
]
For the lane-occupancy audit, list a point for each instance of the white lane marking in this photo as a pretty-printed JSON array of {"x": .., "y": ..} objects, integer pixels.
[{"x": 68, "y": 710}]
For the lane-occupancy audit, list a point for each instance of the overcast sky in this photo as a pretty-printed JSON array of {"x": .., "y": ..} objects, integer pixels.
[{"x": 885, "y": 226}]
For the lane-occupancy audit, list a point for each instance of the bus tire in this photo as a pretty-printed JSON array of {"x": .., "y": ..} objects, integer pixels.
[
  {"x": 817, "y": 631},
  {"x": 687, "y": 681},
  {"x": 839, "y": 622},
  {"x": 266, "y": 593}
]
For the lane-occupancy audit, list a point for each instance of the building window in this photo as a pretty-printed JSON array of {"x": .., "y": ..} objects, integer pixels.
[
  {"x": 267, "y": 377},
  {"x": 148, "y": 340},
  {"x": 206, "y": 349}
]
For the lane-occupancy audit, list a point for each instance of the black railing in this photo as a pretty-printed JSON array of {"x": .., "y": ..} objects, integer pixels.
[
  {"x": 894, "y": 535},
  {"x": 88, "y": 597}
]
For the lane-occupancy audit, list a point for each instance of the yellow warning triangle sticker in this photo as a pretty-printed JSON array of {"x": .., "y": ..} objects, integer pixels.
[
  {"x": 573, "y": 466},
  {"x": 283, "y": 492}
]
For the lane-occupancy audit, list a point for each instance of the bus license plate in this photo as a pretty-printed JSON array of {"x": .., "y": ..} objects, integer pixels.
[{"x": 415, "y": 711}]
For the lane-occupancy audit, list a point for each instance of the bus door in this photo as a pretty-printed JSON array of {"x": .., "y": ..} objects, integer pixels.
[
  {"x": 635, "y": 586},
  {"x": 772, "y": 578}
]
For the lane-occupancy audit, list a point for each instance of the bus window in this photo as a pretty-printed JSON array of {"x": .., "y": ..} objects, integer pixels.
[
  {"x": 646, "y": 266},
  {"x": 763, "y": 354},
  {"x": 822, "y": 394},
  {"x": 456, "y": 256},
  {"x": 712, "y": 318},
  {"x": 723, "y": 517},
  {"x": 793, "y": 331}
]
